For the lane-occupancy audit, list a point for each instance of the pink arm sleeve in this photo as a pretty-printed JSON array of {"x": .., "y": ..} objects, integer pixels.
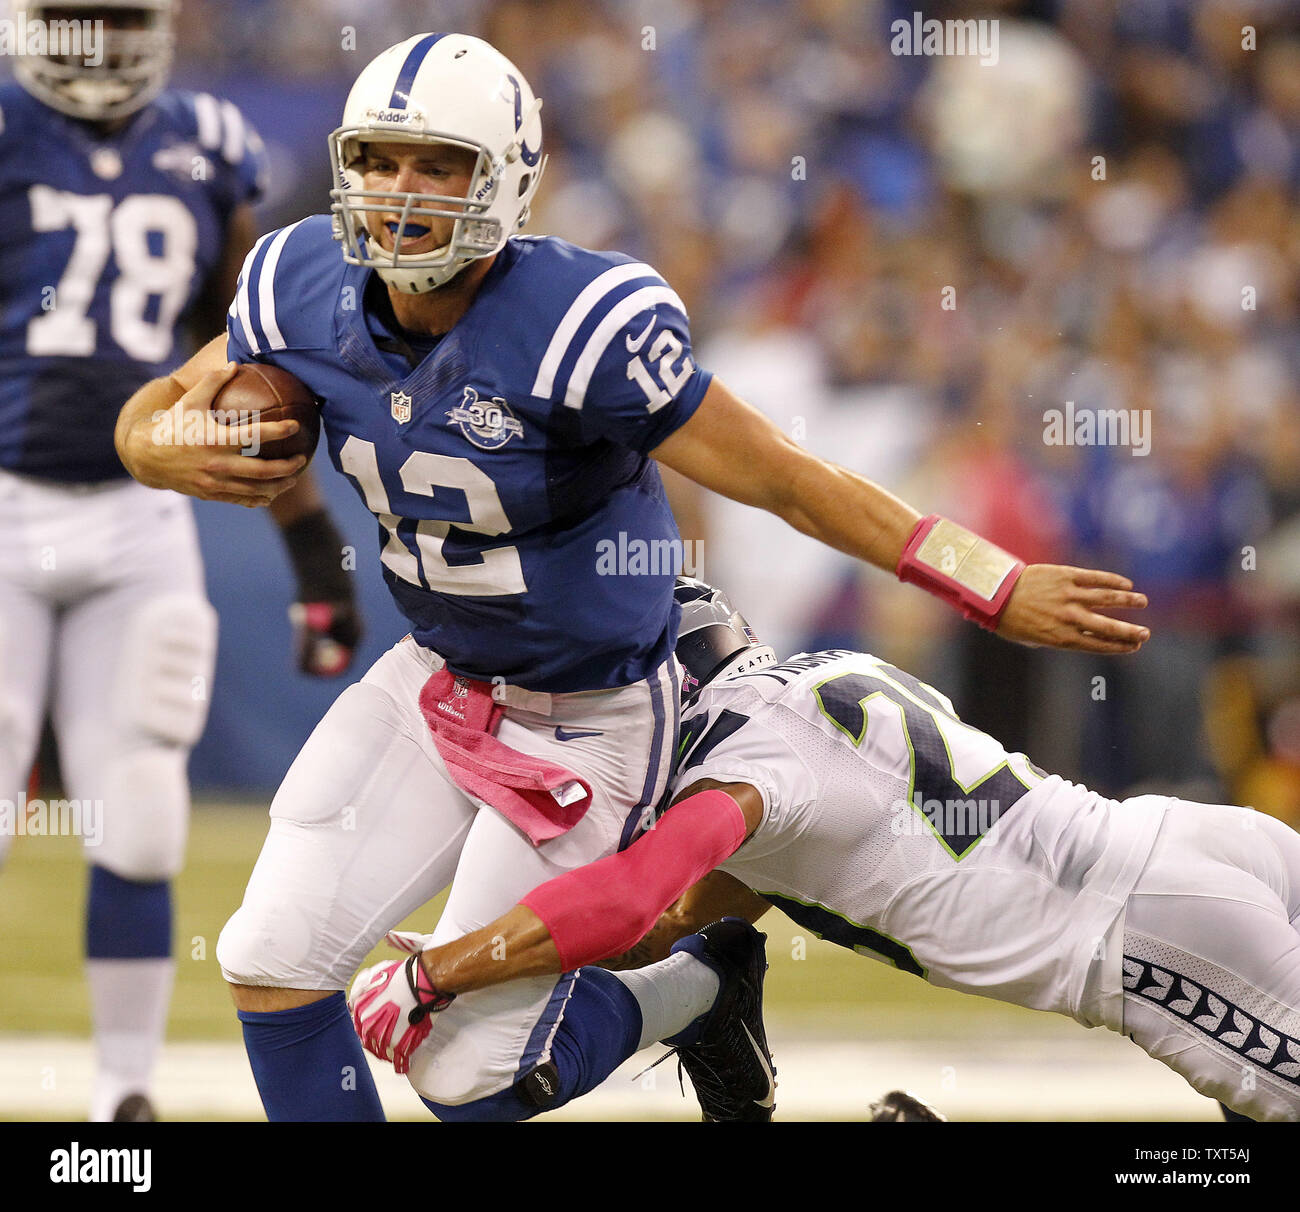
[{"x": 602, "y": 909}]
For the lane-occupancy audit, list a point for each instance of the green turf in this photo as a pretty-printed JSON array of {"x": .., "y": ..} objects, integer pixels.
[{"x": 42, "y": 894}]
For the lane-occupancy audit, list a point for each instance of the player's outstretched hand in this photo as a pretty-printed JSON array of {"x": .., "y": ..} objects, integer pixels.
[
  {"x": 190, "y": 449},
  {"x": 1063, "y": 607},
  {"x": 394, "y": 999}
]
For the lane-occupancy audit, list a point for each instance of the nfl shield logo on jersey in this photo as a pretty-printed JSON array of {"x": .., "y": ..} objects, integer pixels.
[{"x": 401, "y": 407}]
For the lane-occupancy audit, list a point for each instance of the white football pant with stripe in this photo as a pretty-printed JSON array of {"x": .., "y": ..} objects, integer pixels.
[{"x": 368, "y": 827}]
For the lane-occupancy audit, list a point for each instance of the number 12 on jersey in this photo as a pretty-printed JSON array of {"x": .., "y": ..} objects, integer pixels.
[{"x": 413, "y": 551}]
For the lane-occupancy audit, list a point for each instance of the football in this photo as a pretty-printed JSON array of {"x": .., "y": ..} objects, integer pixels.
[{"x": 267, "y": 393}]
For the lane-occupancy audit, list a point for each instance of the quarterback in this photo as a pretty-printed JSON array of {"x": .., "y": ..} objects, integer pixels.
[
  {"x": 500, "y": 403},
  {"x": 848, "y": 793},
  {"x": 126, "y": 215}
]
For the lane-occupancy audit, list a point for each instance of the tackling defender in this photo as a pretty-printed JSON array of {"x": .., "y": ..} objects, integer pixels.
[
  {"x": 127, "y": 212},
  {"x": 498, "y": 402},
  {"x": 848, "y": 793}
]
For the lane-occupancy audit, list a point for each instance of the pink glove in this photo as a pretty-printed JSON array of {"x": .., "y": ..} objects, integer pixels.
[{"x": 394, "y": 995}]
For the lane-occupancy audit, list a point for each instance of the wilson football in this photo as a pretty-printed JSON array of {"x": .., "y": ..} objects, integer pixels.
[{"x": 267, "y": 393}]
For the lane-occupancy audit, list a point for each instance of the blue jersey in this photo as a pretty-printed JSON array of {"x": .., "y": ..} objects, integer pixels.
[
  {"x": 524, "y": 532},
  {"x": 105, "y": 240}
]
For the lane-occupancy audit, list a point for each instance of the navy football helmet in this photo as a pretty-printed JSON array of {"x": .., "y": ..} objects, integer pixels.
[{"x": 714, "y": 640}]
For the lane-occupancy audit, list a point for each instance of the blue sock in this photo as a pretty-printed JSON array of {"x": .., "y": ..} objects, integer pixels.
[
  {"x": 599, "y": 1030},
  {"x": 309, "y": 1065},
  {"x": 126, "y": 919}
]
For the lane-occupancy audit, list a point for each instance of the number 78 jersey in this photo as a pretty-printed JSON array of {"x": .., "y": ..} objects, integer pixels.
[
  {"x": 892, "y": 828},
  {"x": 105, "y": 241}
]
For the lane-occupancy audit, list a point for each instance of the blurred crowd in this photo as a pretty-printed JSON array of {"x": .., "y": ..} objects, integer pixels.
[{"x": 907, "y": 261}]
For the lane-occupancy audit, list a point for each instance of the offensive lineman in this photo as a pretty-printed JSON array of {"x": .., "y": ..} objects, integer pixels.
[
  {"x": 847, "y": 793},
  {"x": 495, "y": 400},
  {"x": 126, "y": 209}
]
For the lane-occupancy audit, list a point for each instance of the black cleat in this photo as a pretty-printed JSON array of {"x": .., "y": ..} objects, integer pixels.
[
  {"x": 728, "y": 1061},
  {"x": 134, "y": 1109},
  {"x": 899, "y": 1107}
]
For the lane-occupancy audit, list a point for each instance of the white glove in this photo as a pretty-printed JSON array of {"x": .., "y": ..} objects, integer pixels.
[{"x": 410, "y": 941}]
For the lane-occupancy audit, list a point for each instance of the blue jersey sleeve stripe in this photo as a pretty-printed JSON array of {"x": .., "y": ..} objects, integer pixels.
[
  {"x": 242, "y": 300},
  {"x": 579, "y": 310},
  {"x": 207, "y": 116},
  {"x": 266, "y": 289},
  {"x": 255, "y": 296},
  {"x": 638, "y": 301},
  {"x": 406, "y": 77}
]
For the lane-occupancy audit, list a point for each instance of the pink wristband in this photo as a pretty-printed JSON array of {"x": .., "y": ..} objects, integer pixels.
[
  {"x": 963, "y": 569},
  {"x": 602, "y": 909}
]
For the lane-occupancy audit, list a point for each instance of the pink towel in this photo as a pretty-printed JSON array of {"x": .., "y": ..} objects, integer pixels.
[{"x": 463, "y": 718}]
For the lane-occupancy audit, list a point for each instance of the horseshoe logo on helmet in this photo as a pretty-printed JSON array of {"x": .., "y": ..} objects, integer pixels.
[{"x": 526, "y": 154}]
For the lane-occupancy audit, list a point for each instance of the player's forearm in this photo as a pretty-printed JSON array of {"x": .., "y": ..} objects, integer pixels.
[
  {"x": 300, "y": 501},
  {"x": 327, "y": 622},
  {"x": 599, "y": 910},
  {"x": 732, "y": 449},
  {"x": 514, "y": 946},
  {"x": 717, "y": 895},
  {"x": 134, "y": 429},
  {"x": 136, "y": 435},
  {"x": 847, "y": 511}
]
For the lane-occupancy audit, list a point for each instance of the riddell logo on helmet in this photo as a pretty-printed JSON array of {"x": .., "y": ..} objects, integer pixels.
[{"x": 396, "y": 117}]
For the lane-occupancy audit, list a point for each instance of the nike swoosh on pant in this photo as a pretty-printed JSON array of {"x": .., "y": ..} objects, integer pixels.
[{"x": 563, "y": 734}]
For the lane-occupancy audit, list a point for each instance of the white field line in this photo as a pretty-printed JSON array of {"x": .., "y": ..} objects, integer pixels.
[{"x": 1093, "y": 1078}]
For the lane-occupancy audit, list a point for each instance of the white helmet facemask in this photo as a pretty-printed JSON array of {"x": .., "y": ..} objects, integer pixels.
[
  {"x": 92, "y": 72},
  {"x": 438, "y": 89}
]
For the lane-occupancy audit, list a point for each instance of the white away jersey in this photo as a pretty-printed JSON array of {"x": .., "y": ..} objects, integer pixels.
[{"x": 893, "y": 829}]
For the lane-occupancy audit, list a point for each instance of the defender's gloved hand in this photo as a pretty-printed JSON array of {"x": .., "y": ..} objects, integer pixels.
[{"x": 395, "y": 999}]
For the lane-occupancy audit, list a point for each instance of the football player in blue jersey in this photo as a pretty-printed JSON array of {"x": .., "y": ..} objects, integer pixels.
[
  {"x": 500, "y": 403},
  {"x": 125, "y": 211}
]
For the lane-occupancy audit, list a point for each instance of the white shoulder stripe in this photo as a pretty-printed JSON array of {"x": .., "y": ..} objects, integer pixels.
[
  {"x": 579, "y": 310},
  {"x": 208, "y": 114},
  {"x": 232, "y": 148},
  {"x": 607, "y": 330},
  {"x": 266, "y": 288},
  {"x": 241, "y": 298}
]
